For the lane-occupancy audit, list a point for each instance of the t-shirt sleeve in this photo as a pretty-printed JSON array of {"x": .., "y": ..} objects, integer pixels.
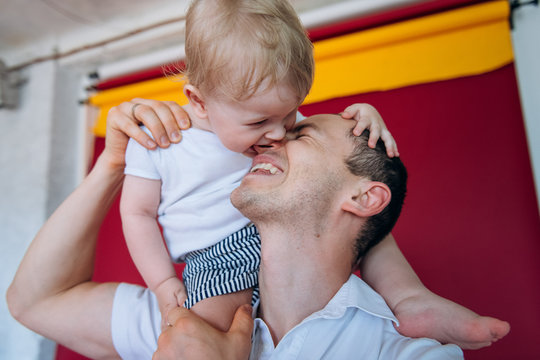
[
  {"x": 140, "y": 162},
  {"x": 135, "y": 322}
]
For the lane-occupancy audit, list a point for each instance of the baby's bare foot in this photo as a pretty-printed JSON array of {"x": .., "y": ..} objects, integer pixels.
[{"x": 429, "y": 315}]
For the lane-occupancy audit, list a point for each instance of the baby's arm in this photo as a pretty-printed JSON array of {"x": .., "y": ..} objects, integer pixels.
[
  {"x": 420, "y": 312},
  {"x": 138, "y": 207}
]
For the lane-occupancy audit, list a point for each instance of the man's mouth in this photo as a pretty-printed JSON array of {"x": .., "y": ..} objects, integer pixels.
[{"x": 264, "y": 167}]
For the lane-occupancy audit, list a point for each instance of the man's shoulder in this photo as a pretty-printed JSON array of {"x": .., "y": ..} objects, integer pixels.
[
  {"x": 366, "y": 316},
  {"x": 358, "y": 294},
  {"x": 399, "y": 347},
  {"x": 371, "y": 308},
  {"x": 356, "y": 323}
]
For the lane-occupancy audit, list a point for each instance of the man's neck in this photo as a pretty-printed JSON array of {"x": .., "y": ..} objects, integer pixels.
[{"x": 297, "y": 278}]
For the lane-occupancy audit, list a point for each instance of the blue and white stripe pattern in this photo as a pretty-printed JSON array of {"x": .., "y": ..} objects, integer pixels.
[{"x": 229, "y": 266}]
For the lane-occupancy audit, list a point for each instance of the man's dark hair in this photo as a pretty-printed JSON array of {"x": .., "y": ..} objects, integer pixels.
[{"x": 375, "y": 165}]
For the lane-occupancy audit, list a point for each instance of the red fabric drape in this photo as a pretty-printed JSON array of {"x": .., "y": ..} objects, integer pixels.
[{"x": 470, "y": 223}]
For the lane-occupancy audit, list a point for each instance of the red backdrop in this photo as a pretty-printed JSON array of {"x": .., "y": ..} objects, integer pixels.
[{"x": 470, "y": 226}]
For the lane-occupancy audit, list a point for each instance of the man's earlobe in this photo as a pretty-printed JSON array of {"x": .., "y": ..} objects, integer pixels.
[
  {"x": 372, "y": 198},
  {"x": 196, "y": 101}
]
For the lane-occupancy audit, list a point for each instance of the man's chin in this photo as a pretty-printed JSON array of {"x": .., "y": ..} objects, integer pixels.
[
  {"x": 246, "y": 201},
  {"x": 238, "y": 199}
]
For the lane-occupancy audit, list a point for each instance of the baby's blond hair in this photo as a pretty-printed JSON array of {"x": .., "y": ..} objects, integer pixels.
[{"x": 233, "y": 47}]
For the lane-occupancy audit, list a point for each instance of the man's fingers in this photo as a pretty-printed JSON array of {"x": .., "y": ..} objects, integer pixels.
[
  {"x": 132, "y": 130},
  {"x": 240, "y": 332},
  {"x": 164, "y": 119},
  {"x": 191, "y": 337},
  {"x": 172, "y": 116},
  {"x": 128, "y": 116},
  {"x": 147, "y": 115},
  {"x": 180, "y": 115},
  {"x": 165, "y": 112},
  {"x": 242, "y": 322}
]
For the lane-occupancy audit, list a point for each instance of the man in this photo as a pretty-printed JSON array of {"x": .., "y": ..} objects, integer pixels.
[
  {"x": 348, "y": 198},
  {"x": 309, "y": 260}
]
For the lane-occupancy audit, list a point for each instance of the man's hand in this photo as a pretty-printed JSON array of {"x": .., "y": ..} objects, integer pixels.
[
  {"x": 164, "y": 119},
  {"x": 190, "y": 337}
]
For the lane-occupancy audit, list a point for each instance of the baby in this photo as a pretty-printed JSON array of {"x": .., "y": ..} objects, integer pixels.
[{"x": 244, "y": 89}]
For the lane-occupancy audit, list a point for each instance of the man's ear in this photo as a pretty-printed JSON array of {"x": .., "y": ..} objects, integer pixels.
[
  {"x": 371, "y": 199},
  {"x": 196, "y": 101}
]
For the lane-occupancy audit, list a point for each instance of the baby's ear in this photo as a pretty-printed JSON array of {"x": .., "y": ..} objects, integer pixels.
[
  {"x": 370, "y": 199},
  {"x": 196, "y": 101}
]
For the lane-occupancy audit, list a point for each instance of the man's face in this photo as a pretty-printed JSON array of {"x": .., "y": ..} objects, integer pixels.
[{"x": 300, "y": 175}]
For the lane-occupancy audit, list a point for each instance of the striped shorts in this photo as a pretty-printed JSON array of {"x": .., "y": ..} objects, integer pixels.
[{"x": 229, "y": 266}]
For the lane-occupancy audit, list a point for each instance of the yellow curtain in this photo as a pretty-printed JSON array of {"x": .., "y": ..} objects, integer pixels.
[{"x": 463, "y": 42}]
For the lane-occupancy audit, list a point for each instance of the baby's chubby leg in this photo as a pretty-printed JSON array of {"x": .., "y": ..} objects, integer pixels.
[
  {"x": 420, "y": 312},
  {"x": 219, "y": 310},
  {"x": 229, "y": 265}
]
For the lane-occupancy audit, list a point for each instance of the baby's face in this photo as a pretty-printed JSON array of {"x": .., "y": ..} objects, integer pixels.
[{"x": 260, "y": 120}]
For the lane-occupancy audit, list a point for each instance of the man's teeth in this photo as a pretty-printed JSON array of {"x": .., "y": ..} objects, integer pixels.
[{"x": 264, "y": 166}]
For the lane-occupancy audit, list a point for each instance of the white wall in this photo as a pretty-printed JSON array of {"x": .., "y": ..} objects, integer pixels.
[
  {"x": 526, "y": 43},
  {"x": 38, "y": 158}
]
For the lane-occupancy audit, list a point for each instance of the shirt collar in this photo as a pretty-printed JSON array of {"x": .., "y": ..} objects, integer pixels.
[{"x": 355, "y": 293}]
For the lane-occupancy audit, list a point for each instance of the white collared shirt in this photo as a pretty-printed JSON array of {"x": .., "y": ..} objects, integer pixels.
[{"x": 355, "y": 324}]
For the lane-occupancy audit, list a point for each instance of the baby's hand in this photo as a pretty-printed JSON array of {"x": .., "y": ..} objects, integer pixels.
[
  {"x": 170, "y": 293},
  {"x": 368, "y": 117}
]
